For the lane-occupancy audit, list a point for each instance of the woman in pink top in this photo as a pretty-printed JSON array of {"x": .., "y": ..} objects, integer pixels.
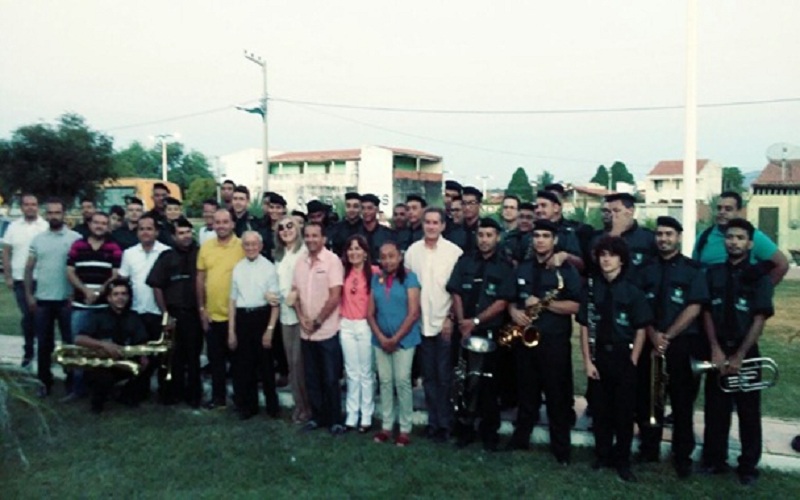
[{"x": 356, "y": 336}]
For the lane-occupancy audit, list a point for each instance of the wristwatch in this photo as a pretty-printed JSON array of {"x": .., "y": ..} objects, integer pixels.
[{"x": 476, "y": 321}]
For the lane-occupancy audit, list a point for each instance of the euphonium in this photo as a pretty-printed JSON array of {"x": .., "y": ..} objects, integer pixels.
[
  {"x": 529, "y": 333},
  {"x": 70, "y": 355},
  {"x": 749, "y": 377}
]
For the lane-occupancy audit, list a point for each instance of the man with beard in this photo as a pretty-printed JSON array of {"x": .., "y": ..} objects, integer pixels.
[
  {"x": 242, "y": 220},
  {"x": 173, "y": 281},
  {"x": 351, "y": 224},
  {"x": 48, "y": 301},
  {"x": 676, "y": 289},
  {"x": 547, "y": 367},
  {"x": 481, "y": 289},
  {"x": 87, "y": 210},
  {"x": 125, "y": 236},
  {"x": 548, "y": 207},
  {"x": 413, "y": 232},
  {"x": 457, "y": 210},
  {"x": 740, "y": 304},
  {"x": 517, "y": 242},
  {"x": 375, "y": 233},
  {"x": 399, "y": 217}
]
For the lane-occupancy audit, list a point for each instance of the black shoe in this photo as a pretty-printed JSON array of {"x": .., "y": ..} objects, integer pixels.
[
  {"x": 309, "y": 426},
  {"x": 715, "y": 469},
  {"x": 26, "y": 363},
  {"x": 430, "y": 433},
  {"x": 215, "y": 405},
  {"x": 490, "y": 444},
  {"x": 273, "y": 414},
  {"x": 43, "y": 391},
  {"x": 442, "y": 436},
  {"x": 97, "y": 408},
  {"x": 669, "y": 419},
  {"x": 245, "y": 414},
  {"x": 337, "y": 429},
  {"x": 683, "y": 470},
  {"x": 796, "y": 443},
  {"x": 600, "y": 464},
  {"x": 517, "y": 444},
  {"x": 626, "y": 474},
  {"x": 563, "y": 461},
  {"x": 747, "y": 478},
  {"x": 647, "y": 457}
]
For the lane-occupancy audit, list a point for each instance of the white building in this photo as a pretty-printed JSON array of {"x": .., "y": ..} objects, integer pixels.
[{"x": 664, "y": 184}]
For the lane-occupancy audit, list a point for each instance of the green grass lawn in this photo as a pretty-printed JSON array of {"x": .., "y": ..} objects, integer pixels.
[{"x": 177, "y": 453}]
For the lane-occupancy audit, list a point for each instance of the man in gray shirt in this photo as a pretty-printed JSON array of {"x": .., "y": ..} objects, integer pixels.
[{"x": 50, "y": 302}]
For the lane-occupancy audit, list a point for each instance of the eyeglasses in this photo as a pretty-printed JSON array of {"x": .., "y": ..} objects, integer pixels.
[
  {"x": 288, "y": 225},
  {"x": 526, "y": 216}
]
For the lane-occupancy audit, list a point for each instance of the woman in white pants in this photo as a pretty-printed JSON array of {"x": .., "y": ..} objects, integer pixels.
[
  {"x": 394, "y": 319},
  {"x": 356, "y": 335}
]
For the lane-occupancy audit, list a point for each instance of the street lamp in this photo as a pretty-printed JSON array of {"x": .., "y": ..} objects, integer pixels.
[
  {"x": 261, "y": 110},
  {"x": 483, "y": 179},
  {"x": 164, "y": 139}
]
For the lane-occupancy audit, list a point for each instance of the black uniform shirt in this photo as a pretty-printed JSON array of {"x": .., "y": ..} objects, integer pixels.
[
  {"x": 470, "y": 237},
  {"x": 125, "y": 328},
  {"x": 244, "y": 223},
  {"x": 568, "y": 239},
  {"x": 641, "y": 244},
  {"x": 621, "y": 307},
  {"x": 738, "y": 293},
  {"x": 339, "y": 233},
  {"x": 405, "y": 237},
  {"x": 264, "y": 228},
  {"x": 672, "y": 285},
  {"x": 174, "y": 272},
  {"x": 535, "y": 279},
  {"x": 516, "y": 245},
  {"x": 125, "y": 237},
  {"x": 480, "y": 282},
  {"x": 455, "y": 234},
  {"x": 376, "y": 238}
]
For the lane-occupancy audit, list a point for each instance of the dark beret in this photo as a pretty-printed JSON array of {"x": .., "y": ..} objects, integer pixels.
[
  {"x": 545, "y": 225},
  {"x": 370, "y": 198},
  {"x": 625, "y": 197},
  {"x": 490, "y": 222},
  {"x": 416, "y": 197},
  {"x": 277, "y": 199},
  {"x": 556, "y": 187},
  {"x": 298, "y": 213},
  {"x": 526, "y": 205},
  {"x": 472, "y": 191},
  {"x": 352, "y": 195},
  {"x": 268, "y": 195},
  {"x": 314, "y": 206},
  {"x": 547, "y": 195},
  {"x": 169, "y": 200},
  {"x": 452, "y": 186},
  {"x": 133, "y": 200},
  {"x": 668, "y": 221}
]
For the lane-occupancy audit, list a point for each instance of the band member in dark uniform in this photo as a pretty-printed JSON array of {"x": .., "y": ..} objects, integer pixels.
[
  {"x": 173, "y": 281},
  {"x": 546, "y": 367},
  {"x": 614, "y": 315},
  {"x": 741, "y": 303},
  {"x": 350, "y": 225},
  {"x": 413, "y": 232},
  {"x": 676, "y": 289},
  {"x": 641, "y": 241},
  {"x": 516, "y": 243},
  {"x": 374, "y": 232},
  {"x": 481, "y": 288},
  {"x": 109, "y": 330}
]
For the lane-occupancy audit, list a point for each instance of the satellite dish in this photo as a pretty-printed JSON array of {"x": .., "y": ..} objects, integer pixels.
[{"x": 780, "y": 153}]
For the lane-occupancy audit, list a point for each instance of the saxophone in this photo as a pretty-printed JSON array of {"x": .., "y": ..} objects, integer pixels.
[
  {"x": 529, "y": 333},
  {"x": 70, "y": 355}
]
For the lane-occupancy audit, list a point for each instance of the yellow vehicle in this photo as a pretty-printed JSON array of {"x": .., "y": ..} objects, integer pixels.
[{"x": 113, "y": 192}]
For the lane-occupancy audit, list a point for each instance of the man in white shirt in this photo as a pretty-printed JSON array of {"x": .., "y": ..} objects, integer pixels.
[
  {"x": 432, "y": 259},
  {"x": 16, "y": 244},
  {"x": 251, "y": 324},
  {"x": 137, "y": 261}
]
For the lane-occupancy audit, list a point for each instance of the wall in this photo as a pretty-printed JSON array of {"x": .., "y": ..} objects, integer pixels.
[{"x": 788, "y": 206}]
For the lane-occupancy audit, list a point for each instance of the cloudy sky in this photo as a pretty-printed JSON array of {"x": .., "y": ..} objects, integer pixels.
[{"x": 136, "y": 69}]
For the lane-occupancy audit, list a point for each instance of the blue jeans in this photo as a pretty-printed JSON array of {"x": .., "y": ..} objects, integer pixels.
[
  {"x": 80, "y": 321},
  {"x": 48, "y": 312},
  {"x": 27, "y": 317},
  {"x": 322, "y": 361}
]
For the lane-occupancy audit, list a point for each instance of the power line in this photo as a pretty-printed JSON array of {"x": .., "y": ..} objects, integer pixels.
[
  {"x": 532, "y": 111},
  {"x": 158, "y": 121}
]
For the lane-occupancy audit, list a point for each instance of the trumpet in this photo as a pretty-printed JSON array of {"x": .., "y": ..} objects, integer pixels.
[{"x": 749, "y": 377}]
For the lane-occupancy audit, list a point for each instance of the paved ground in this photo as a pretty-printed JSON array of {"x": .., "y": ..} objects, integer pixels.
[{"x": 778, "y": 433}]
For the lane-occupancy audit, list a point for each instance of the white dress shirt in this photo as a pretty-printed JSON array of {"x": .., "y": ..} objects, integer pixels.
[
  {"x": 252, "y": 280},
  {"x": 433, "y": 267},
  {"x": 136, "y": 265},
  {"x": 18, "y": 236}
]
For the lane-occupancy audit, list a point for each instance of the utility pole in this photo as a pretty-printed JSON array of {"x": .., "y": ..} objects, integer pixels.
[
  {"x": 262, "y": 110},
  {"x": 690, "y": 144},
  {"x": 164, "y": 138}
]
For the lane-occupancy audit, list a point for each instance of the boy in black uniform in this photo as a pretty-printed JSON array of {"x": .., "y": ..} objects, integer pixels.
[
  {"x": 548, "y": 366},
  {"x": 173, "y": 281},
  {"x": 676, "y": 289},
  {"x": 613, "y": 316},
  {"x": 108, "y": 330},
  {"x": 741, "y": 302},
  {"x": 350, "y": 225},
  {"x": 481, "y": 285},
  {"x": 516, "y": 243}
]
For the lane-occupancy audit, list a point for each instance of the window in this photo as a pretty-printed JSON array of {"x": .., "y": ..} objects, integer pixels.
[{"x": 658, "y": 185}]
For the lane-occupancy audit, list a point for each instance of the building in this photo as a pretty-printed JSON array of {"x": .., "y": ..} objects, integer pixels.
[
  {"x": 389, "y": 173},
  {"x": 774, "y": 205},
  {"x": 664, "y": 183}
]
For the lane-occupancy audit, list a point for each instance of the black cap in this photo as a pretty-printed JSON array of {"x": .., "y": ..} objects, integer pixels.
[
  {"x": 490, "y": 222},
  {"x": 472, "y": 191},
  {"x": 277, "y": 199},
  {"x": 169, "y": 200},
  {"x": 555, "y": 187},
  {"x": 526, "y": 205},
  {"x": 416, "y": 197},
  {"x": 133, "y": 200},
  {"x": 547, "y": 195},
  {"x": 668, "y": 221},
  {"x": 298, "y": 213},
  {"x": 625, "y": 197},
  {"x": 268, "y": 196},
  {"x": 545, "y": 225},
  {"x": 352, "y": 195},
  {"x": 370, "y": 198},
  {"x": 314, "y": 206},
  {"x": 452, "y": 186}
]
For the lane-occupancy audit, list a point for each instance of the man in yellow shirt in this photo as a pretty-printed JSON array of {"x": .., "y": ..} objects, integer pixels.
[{"x": 215, "y": 262}]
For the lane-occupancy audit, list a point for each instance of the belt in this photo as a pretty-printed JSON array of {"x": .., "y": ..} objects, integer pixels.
[
  {"x": 613, "y": 347},
  {"x": 251, "y": 309}
]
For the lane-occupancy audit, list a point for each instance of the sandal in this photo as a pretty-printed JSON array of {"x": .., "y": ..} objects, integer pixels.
[{"x": 382, "y": 437}]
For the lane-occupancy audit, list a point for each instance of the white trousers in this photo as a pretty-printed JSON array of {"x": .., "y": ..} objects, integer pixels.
[
  {"x": 394, "y": 371},
  {"x": 356, "y": 338}
]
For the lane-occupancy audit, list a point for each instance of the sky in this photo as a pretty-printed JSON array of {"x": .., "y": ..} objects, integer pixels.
[{"x": 138, "y": 69}]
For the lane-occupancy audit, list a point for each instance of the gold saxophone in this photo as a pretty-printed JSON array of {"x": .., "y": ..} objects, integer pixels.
[
  {"x": 70, "y": 355},
  {"x": 529, "y": 333}
]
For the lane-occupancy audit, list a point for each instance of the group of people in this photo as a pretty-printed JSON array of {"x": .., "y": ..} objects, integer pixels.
[{"x": 300, "y": 294}]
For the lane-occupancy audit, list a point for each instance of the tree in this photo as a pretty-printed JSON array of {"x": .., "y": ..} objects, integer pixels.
[
  {"x": 732, "y": 179},
  {"x": 545, "y": 178},
  {"x": 182, "y": 168},
  {"x": 520, "y": 185},
  {"x": 199, "y": 190},
  {"x": 619, "y": 173},
  {"x": 601, "y": 176},
  {"x": 192, "y": 166},
  {"x": 136, "y": 161},
  {"x": 67, "y": 160}
]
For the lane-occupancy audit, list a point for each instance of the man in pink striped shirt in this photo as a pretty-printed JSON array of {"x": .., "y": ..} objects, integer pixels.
[{"x": 318, "y": 281}]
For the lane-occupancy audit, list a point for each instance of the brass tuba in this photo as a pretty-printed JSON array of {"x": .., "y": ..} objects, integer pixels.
[
  {"x": 529, "y": 334},
  {"x": 76, "y": 356},
  {"x": 749, "y": 377}
]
